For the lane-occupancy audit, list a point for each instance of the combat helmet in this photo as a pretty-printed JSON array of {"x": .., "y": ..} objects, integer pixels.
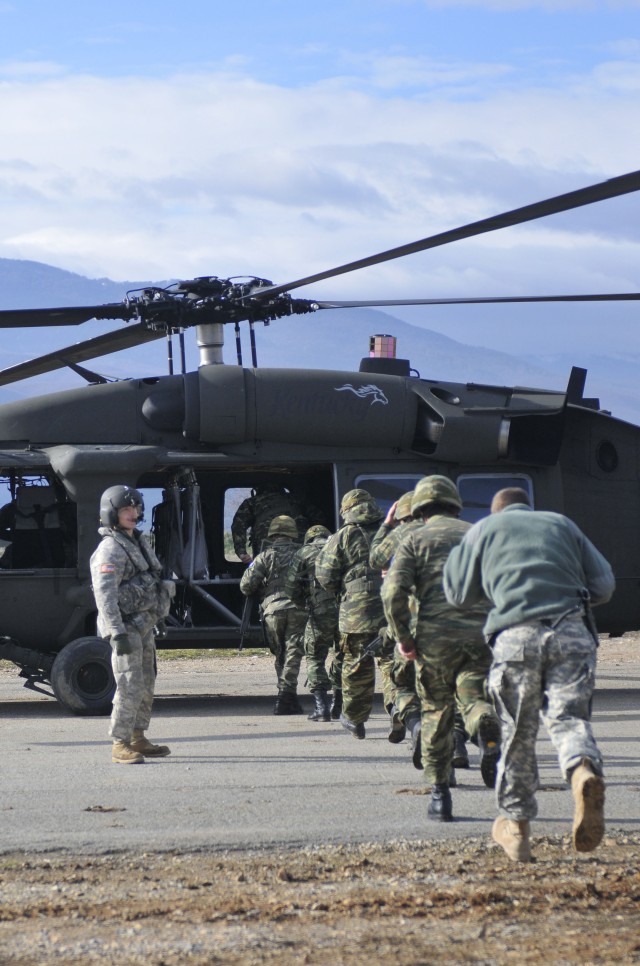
[
  {"x": 117, "y": 498},
  {"x": 359, "y": 506},
  {"x": 435, "y": 489},
  {"x": 317, "y": 530},
  {"x": 403, "y": 506},
  {"x": 283, "y": 526}
]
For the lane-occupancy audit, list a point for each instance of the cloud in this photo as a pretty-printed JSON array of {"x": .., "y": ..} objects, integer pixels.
[
  {"x": 215, "y": 172},
  {"x": 30, "y": 68}
]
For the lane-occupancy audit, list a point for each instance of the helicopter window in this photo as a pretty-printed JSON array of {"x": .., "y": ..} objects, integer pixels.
[
  {"x": 478, "y": 489},
  {"x": 38, "y": 523},
  {"x": 152, "y": 496},
  {"x": 385, "y": 488},
  {"x": 233, "y": 497},
  {"x": 606, "y": 456}
]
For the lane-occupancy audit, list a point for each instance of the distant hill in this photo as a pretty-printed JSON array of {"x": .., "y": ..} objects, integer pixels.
[
  {"x": 33, "y": 285},
  {"x": 333, "y": 339}
]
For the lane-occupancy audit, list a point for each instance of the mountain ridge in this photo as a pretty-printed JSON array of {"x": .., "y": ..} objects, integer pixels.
[{"x": 333, "y": 339}]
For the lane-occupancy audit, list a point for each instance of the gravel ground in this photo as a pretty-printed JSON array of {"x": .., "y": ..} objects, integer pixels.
[{"x": 414, "y": 903}]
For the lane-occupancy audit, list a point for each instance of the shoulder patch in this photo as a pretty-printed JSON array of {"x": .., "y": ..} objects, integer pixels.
[{"x": 107, "y": 568}]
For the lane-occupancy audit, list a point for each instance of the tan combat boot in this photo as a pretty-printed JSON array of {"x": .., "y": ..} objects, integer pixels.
[
  {"x": 513, "y": 836},
  {"x": 125, "y": 754},
  {"x": 142, "y": 745},
  {"x": 588, "y": 817}
]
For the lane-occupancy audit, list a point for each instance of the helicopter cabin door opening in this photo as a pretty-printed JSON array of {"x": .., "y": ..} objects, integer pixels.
[{"x": 188, "y": 515}]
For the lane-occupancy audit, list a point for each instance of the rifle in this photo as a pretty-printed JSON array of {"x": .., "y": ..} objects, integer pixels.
[
  {"x": 246, "y": 618},
  {"x": 370, "y": 650}
]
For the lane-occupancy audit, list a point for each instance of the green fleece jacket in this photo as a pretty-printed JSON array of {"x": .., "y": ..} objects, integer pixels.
[{"x": 530, "y": 564}]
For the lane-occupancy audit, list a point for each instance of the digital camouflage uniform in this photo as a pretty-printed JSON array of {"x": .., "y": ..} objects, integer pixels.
[
  {"x": 284, "y": 621},
  {"x": 537, "y": 569},
  {"x": 131, "y": 598},
  {"x": 321, "y": 630},
  {"x": 343, "y": 568},
  {"x": 453, "y": 657},
  {"x": 253, "y": 516}
]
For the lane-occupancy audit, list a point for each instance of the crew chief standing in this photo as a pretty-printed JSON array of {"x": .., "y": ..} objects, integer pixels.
[{"x": 132, "y": 599}]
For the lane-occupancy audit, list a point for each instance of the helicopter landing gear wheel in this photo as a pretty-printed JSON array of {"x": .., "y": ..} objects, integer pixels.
[{"x": 81, "y": 676}]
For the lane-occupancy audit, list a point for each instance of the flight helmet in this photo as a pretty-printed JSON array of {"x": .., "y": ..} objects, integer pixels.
[{"x": 117, "y": 498}]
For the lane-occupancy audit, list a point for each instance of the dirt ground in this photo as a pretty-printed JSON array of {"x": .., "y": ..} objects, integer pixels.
[{"x": 414, "y": 903}]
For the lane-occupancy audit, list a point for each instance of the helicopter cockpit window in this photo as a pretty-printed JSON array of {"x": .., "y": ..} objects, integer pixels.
[
  {"x": 38, "y": 523},
  {"x": 387, "y": 488},
  {"x": 478, "y": 489}
]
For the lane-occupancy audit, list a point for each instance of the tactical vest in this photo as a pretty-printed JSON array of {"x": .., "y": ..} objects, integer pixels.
[
  {"x": 281, "y": 556},
  {"x": 145, "y": 591},
  {"x": 360, "y": 577},
  {"x": 317, "y": 593}
]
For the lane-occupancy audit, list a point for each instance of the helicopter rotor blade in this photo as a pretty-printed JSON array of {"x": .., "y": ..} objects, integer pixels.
[
  {"x": 102, "y": 345},
  {"x": 612, "y": 188},
  {"x": 74, "y": 315},
  {"x": 604, "y": 297}
]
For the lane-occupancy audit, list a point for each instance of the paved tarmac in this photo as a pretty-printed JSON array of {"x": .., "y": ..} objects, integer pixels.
[{"x": 238, "y": 776}]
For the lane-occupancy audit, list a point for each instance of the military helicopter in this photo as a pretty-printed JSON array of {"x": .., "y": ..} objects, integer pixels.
[{"x": 194, "y": 441}]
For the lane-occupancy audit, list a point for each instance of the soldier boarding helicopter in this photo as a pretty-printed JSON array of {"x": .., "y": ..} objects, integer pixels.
[{"x": 193, "y": 441}]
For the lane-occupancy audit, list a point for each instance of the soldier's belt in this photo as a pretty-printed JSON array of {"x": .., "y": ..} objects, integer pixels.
[
  {"x": 368, "y": 584},
  {"x": 274, "y": 597}
]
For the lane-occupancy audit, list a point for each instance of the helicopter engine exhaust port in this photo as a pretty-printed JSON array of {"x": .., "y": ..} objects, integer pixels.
[{"x": 82, "y": 678}]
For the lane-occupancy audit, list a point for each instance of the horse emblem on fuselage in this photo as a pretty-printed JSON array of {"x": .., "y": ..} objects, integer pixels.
[{"x": 364, "y": 392}]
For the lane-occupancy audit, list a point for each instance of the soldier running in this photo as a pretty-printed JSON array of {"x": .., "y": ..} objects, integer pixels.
[
  {"x": 284, "y": 621},
  {"x": 321, "y": 630},
  {"x": 451, "y": 654},
  {"x": 343, "y": 569},
  {"x": 540, "y": 573}
]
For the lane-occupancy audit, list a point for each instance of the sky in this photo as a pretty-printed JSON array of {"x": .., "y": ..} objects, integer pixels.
[{"x": 155, "y": 140}]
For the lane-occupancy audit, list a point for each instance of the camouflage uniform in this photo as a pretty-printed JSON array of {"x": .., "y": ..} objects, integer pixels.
[
  {"x": 535, "y": 568},
  {"x": 343, "y": 568},
  {"x": 557, "y": 661},
  {"x": 398, "y": 675},
  {"x": 256, "y": 513},
  {"x": 131, "y": 598},
  {"x": 453, "y": 658},
  {"x": 284, "y": 622},
  {"x": 321, "y": 630}
]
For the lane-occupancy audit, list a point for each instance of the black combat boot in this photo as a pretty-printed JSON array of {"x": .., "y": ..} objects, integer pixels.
[
  {"x": 287, "y": 703},
  {"x": 413, "y": 724},
  {"x": 489, "y": 747},
  {"x": 440, "y": 806},
  {"x": 322, "y": 711},
  {"x": 397, "y": 726},
  {"x": 460, "y": 755},
  {"x": 336, "y": 704},
  {"x": 357, "y": 730}
]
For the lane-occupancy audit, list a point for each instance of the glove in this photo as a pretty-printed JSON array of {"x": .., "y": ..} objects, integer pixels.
[
  {"x": 122, "y": 644},
  {"x": 160, "y": 630}
]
